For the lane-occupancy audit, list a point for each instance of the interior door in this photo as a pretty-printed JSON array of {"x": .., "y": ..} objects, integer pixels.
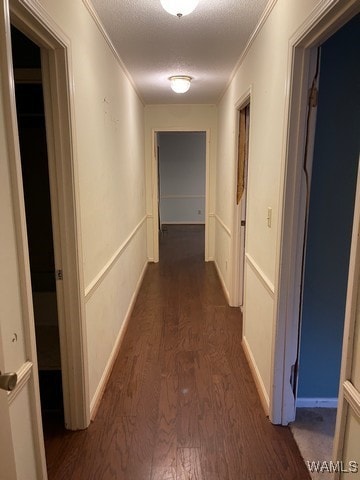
[
  {"x": 7, "y": 457},
  {"x": 347, "y": 433},
  {"x": 21, "y": 440},
  {"x": 241, "y": 188},
  {"x": 244, "y": 144}
]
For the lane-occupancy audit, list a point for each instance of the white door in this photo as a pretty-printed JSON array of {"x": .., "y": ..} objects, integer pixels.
[
  {"x": 238, "y": 243},
  {"x": 347, "y": 434},
  {"x": 244, "y": 131},
  {"x": 21, "y": 439}
]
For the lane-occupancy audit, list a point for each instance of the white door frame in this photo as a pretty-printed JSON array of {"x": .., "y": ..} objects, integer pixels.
[
  {"x": 34, "y": 22},
  {"x": 239, "y": 239},
  {"x": 155, "y": 193},
  {"x": 328, "y": 17}
]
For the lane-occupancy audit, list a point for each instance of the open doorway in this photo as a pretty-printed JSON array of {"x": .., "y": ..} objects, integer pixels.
[
  {"x": 181, "y": 166},
  {"x": 332, "y": 175},
  {"x": 240, "y": 208},
  {"x": 62, "y": 175},
  {"x": 39, "y": 220}
]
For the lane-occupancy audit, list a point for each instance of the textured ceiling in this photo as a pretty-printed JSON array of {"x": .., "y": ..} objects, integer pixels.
[{"x": 155, "y": 45}]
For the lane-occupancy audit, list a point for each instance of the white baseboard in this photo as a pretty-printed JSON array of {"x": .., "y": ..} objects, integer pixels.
[
  {"x": 317, "y": 402},
  {"x": 264, "y": 397},
  {"x": 222, "y": 281},
  {"x": 95, "y": 402}
]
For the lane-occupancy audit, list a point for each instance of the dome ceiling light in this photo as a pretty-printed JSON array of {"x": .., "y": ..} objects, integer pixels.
[
  {"x": 179, "y": 7},
  {"x": 180, "y": 83}
]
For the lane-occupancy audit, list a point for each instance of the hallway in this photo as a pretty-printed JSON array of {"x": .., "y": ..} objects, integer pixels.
[{"x": 180, "y": 402}]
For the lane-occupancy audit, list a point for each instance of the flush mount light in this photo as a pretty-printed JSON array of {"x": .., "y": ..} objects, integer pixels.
[
  {"x": 180, "y": 83},
  {"x": 179, "y": 7}
]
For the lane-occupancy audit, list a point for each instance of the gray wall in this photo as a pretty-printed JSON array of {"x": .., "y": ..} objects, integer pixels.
[
  {"x": 332, "y": 195},
  {"x": 182, "y": 166}
]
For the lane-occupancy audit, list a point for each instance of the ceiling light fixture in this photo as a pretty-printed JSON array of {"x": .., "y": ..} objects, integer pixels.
[
  {"x": 179, "y": 7},
  {"x": 180, "y": 83}
]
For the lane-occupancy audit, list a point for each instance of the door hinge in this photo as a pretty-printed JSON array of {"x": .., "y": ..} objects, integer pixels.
[
  {"x": 59, "y": 275},
  {"x": 313, "y": 96},
  {"x": 242, "y": 223}
]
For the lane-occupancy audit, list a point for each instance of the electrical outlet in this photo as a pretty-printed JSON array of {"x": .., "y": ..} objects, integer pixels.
[
  {"x": 269, "y": 215},
  {"x": 199, "y": 212}
]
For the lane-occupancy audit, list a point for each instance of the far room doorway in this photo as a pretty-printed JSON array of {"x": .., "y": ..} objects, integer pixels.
[{"x": 181, "y": 167}]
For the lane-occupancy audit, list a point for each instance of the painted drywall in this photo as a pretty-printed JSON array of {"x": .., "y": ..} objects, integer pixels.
[
  {"x": 109, "y": 125},
  {"x": 264, "y": 73},
  {"x": 178, "y": 118},
  {"x": 182, "y": 170},
  {"x": 333, "y": 184}
]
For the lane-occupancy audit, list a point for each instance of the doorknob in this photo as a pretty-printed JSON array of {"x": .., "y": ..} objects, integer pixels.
[{"x": 8, "y": 381}]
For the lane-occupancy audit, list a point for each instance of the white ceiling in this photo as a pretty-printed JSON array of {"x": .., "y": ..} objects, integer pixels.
[{"x": 153, "y": 45}]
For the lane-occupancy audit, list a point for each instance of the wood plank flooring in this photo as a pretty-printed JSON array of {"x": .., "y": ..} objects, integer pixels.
[{"x": 180, "y": 403}]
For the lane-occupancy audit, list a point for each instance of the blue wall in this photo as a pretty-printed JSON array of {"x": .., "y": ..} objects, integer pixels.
[{"x": 333, "y": 184}]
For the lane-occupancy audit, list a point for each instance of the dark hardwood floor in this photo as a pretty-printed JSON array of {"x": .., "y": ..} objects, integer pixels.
[{"x": 181, "y": 402}]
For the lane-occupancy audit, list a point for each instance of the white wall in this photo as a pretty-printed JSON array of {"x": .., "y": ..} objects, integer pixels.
[
  {"x": 175, "y": 118},
  {"x": 182, "y": 172},
  {"x": 111, "y": 171},
  {"x": 264, "y": 71}
]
